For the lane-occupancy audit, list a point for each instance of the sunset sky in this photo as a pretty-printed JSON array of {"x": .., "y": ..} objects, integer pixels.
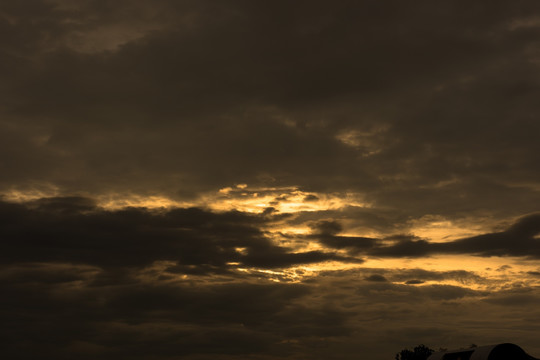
[{"x": 268, "y": 179}]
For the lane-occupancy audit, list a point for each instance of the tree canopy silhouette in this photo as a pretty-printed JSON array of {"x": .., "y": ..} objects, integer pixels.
[{"x": 420, "y": 352}]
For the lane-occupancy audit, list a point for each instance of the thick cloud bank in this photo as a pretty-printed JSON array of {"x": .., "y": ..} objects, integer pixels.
[{"x": 79, "y": 281}]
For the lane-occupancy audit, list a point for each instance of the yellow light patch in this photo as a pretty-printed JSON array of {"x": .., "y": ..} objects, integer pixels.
[
  {"x": 284, "y": 200},
  {"x": 439, "y": 229},
  {"x": 34, "y": 193},
  {"x": 369, "y": 141},
  {"x": 499, "y": 272},
  {"x": 151, "y": 202}
]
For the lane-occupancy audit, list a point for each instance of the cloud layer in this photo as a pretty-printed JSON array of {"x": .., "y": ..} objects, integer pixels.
[
  {"x": 428, "y": 107},
  {"x": 267, "y": 180},
  {"x": 82, "y": 281}
]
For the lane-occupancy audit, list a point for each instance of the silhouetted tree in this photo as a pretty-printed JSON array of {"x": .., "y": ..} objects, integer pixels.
[{"x": 421, "y": 352}]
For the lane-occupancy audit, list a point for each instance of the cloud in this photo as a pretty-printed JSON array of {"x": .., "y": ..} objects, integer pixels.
[
  {"x": 141, "y": 99},
  {"x": 414, "y": 282},
  {"x": 379, "y": 115},
  {"x": 311, "y": 197},
  {"x": 129, "y": 318},
  {"x": 376, "y": 278},
  {"x": 75, "y": 230},
  {"x": 326, "y": 233},
  {"x": 416, "y": 276},
  {"x": 520, "y": 239},
  {"x": 72, "y": 309}
]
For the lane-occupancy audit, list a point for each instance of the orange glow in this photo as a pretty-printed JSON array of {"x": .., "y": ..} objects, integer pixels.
[
  {"x": 111, "y": 201},
  {"x": 440, "y": 229},
  {"x": 30, "y": 194},
  {"x": 284, "y": 200},
  {"x": 499, "y": 272}
]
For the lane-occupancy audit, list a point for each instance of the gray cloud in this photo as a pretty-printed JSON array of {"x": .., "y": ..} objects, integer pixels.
[
  {"x": 376, "y": 278},
  {"x": 78, "y": 315},
  {"x": 75, "y": 230},
  {"x": 414, "y": 282},
  {"x": 520, "y": 239},
  {"x": 435, "y": 112}
]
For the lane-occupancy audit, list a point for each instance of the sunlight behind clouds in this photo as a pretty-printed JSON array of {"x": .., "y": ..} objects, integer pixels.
[{"x": 266, "y": 180}]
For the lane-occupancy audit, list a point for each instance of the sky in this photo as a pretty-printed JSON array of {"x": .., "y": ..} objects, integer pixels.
[{"x": 264, "y": 180}]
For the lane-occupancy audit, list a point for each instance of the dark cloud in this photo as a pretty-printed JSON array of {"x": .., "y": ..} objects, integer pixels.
[
  {"x": 519, "y": 296},
  {"x": 133, "y": 319},
  {"x": 416, "y": 276},
  {"x": 414, "y": 282},
  {"x": 353, "y": 244},
  {"x": 66, "y": 310},
  {"x": 326, "y": 232},
  {"x": 405, "y": 248},
  {"x": 376, "y": 278},
  {"x": 75, "y": 230},
  {"x": 326, "y": 227},
  {"x": 399, "y": 112},
  {"x": 311, "y": 197},
  {"x": 81, "y": 281},
  {"x": 413, "y": 106},
  {"x": 520, "y": 239}
]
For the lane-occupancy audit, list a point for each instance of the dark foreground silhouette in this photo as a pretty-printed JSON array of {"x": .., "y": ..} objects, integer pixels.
[
  {"x": 421, "y": 352},
  {"x": 491, "y": 352}
]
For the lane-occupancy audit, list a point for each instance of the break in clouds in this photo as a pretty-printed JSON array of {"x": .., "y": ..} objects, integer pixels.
[
  {"x": 201, "y": 241},
  {"x": 267, "y": 179}
]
